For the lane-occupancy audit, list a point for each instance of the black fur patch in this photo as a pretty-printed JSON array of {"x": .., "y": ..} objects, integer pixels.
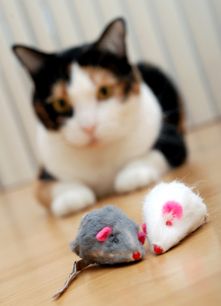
[
  {"x": 118, "y": 65},
  {"x": 164, "y": 90},
  {"x": 55, "y": 69},
  {"x": 44, "y": 175},
  {"x": 171, "y": 143}
]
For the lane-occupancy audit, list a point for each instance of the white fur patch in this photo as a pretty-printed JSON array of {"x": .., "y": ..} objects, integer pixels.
[
  {"x": 68, "y": 198},
  {"x": 191, "y": 213},
  {"x": 141, "y": 172}
]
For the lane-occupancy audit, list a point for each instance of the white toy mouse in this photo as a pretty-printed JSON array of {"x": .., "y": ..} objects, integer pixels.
[{"x": 171, "y": 212}]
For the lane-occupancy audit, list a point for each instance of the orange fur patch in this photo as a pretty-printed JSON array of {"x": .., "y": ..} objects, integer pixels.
[
  {"x": 103, "y": 77},
  {"x": 43, "y": 192},
  {"x": 59, "y": 91},
  {"x": 40, "y": 110},
  {"x": 100, "y": 77},
  {"x": 182, "y": 122}
]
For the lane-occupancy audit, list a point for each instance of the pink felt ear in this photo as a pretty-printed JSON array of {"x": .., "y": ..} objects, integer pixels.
[
  {"x": 157, "y": 249},
  {"x": 103, "y": 234},
  {"x": 173, "y": 208}
]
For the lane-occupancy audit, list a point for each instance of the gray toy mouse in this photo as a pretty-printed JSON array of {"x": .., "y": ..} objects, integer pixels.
[
  {"x": 108, "y": 236},
  {"x": 105, "y": 236}
]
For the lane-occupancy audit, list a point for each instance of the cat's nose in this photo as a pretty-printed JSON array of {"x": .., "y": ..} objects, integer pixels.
[{"x": 89, "y": 129}]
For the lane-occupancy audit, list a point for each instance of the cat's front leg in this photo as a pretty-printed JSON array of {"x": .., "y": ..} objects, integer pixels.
[
  {"x": 141, "y": 172},
  {"x": 64, "y": 198}
]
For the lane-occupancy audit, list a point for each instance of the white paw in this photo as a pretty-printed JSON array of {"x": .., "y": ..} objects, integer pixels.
[
  {"x": 132, "y": 178},
  {"x": 72, "y": 200}
]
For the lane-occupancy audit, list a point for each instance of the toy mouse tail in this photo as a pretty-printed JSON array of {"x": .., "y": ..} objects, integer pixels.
[{"x": 78, "y": 266}]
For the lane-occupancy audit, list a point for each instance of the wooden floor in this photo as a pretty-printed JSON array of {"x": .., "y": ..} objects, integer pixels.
[{"x": 35, "y": 257}]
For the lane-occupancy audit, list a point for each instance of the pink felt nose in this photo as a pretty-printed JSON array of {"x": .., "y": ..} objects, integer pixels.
[
  {"x": 89, "y": 129},
  {"x": 136, "y": 255}
]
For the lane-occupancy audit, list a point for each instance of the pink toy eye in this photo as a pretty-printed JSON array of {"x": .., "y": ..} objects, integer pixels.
[
  {"x": 169, "y": 222},
  {"x": 141, "y": 237},
  {"x": 103, "y": 234}
]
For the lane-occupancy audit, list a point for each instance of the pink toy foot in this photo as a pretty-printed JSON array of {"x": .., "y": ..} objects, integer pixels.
[
  {"x": 144, "y": 228},
  {"x": 141, "y": 237},
  {"x": 157, "y": 249}
]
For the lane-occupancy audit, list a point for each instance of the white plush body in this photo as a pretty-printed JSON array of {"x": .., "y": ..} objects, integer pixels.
[
  {"x": 194, "y": 213},
  {"x": 121, "y": 160}
]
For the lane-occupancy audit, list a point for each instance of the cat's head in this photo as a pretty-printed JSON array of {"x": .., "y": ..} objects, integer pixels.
[{"x": 87, "y": 94}]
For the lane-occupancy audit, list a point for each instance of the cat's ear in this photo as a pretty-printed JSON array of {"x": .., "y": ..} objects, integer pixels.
[
  {"x": 33, "y": 60},
  {"x": 113, "y": 38}
]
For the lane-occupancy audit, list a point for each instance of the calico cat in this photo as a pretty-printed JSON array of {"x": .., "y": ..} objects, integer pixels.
[{"x": 105, "y": 125}]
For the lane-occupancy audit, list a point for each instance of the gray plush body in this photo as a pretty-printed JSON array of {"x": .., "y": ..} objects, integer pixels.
[{"x": 121, "y": 244}]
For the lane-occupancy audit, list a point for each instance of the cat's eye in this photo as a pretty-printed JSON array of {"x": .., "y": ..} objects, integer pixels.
[
  {"x": 104, "y": 92},
  {"x": 61, "y": 105}
]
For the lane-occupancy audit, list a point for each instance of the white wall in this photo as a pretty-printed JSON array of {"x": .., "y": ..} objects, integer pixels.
[{"x": 182, "y": 36}]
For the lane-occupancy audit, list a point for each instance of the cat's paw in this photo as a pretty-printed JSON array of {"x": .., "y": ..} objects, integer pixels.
[
  {"x": 72, "y": 200},
  {"x": 132, "y": 178}
]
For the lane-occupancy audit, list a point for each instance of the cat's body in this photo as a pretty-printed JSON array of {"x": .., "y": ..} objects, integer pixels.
[
  {"x": 97, "y": 165},
  {"x": 116, "y": 127}
]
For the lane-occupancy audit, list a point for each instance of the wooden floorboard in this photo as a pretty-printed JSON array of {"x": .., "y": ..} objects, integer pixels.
[{"x": 35, "y": 257}]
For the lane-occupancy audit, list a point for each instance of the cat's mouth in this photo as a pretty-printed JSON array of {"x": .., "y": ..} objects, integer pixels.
[{"x": 93, "y": 142}]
